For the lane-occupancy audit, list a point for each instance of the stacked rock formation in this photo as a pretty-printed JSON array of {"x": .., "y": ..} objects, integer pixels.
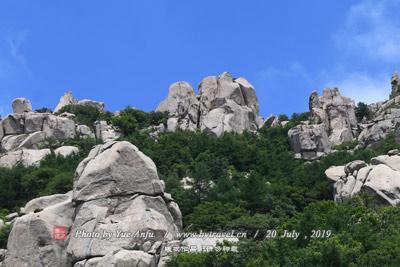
[
  {"x": 23, "y": 131},
  {"x": 69, "y": 99},
  {"x": 224, "y": 104},
  {"x": 381, "y": 179},
  {"x": 332, "y": 122},
  {"x": 117, "y": 215}
]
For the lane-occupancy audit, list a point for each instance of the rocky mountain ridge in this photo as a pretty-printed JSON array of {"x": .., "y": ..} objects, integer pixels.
[{"x": 116, "y": 187}]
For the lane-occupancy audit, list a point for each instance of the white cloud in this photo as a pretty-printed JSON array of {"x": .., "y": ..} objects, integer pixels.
[
  {"x": 362, "y": 87},
  {"x": 15, "y": 43},
  {"x": 372, "y": 29},
  {"x": 294, "y": 70}
]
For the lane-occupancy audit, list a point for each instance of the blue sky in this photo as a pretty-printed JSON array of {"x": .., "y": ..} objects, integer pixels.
[{"x": 129, "y": 52}]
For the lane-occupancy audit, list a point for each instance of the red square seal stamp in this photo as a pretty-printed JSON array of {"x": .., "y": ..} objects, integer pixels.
[{"x": 60, "y": 232}]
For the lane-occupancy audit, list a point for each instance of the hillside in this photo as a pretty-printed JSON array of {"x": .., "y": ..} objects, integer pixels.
[{"x": 320, "y": 188}]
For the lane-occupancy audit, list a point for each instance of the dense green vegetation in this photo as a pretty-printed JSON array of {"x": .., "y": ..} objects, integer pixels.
[
  {"x": 248, "y": 182},
  {"x": 86, "y": 115},
  {"x": 130, "y": 119},
  {"x": 362, "y": 111}
]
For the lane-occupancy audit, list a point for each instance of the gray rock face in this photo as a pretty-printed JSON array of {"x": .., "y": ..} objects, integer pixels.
[
  {"x": 116, "y": 191},
  {"x": 121, "y": 258},
  {"x": 26, "y": 157},
  {"x": 34, "y": 121},
  {"x": 91, "y": 103},
  {"x": 13, "y": 124},
  {"x": 129, "y": 169},
  {"x": 309, "y": 141},
  {"x": 65, "y": 100},
  {"x": 59, "y": 128},
  {"x": 21, "y": 105},
  {"x": 84, "y": 131},
  {"x": 29, "y": 130},
  {"x": 380, "y": 179},
  {"x": 144, "y": 214},
  {"x": 39, "y": 204},
  {"x": 68, "y": 99},
  {"x": 224, "y": 104},
  {"x": 33, "y": 140},
  {"x": 336, "y": 112},
  {"x": 31, "y": 240},
  {"x": 106, "y": 132},
  {"x": 12, "y": 142},
  {"x": 332, "y": 122}
]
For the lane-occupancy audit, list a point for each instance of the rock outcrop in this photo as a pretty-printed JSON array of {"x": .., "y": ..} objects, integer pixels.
[
  {"x": 116, "y": 191},
  {"x": 224, "y": 104},
  {"x": 28, "y": 130},
  {"x": 26, "y": 157},
  {"x": 380, "y": 179},
  {"x": 21, "y": 105},
  {"x": 69, "y": 99},
  {"x": 65, "y": 151},
  {"x": 332, "y": 122},
  {"x": 31, "y": 241},
  {"x": 106, "y": 132}
]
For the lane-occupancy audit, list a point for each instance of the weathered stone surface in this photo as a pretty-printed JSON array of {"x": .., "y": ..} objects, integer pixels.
[
  {"x": 390, "y": 161},
  {"x": 33, "y": 140},
  {"x": 308, "y": 140},
  {"x": 271, "y": 121},
  {"x": 155, "y": 131},
  {"x": 21, "y": 105},
  {"x": 1, "y": 129},
  {"x": 106, "y": 132},
  {"x": 334, "y": 117},
  {"x": 26, "y": 157},
  {"x": 66, "y": 151},
  {"x": 123, "y": 258},
  {"x": 362, "y": 175},
  {"x": 84, "y": 131},
  {"x": 224, "y": 104},
  {"x": 336, "y": 112},
  {"x": 13, "y": 124},
  {"x": 140, "y": 214},
  {"x": 34, "y": 121},
  {"x": 39, "y": 204},
  {"x": 59, "y": 128},
  {"x": 385, "y": 182},
  {"x": 11, "y": 216},
  {"x": 91, "y": 103},
  {"x": 334, "y": 173},
  {"x": 373, "y": 133},
  {"x": 31, "y": 240},
  {"x": 180, "y": 97},
  {"x": 2, "y": 255},
  {"x": 395, "y": 85},
  {"x": 65, "y": 100},
  {"x": 11, "y": 142},
  {"x": 380, "y": 179},
  {"x": 354, "y": 166},
  {"x": 115, "y": 168}
]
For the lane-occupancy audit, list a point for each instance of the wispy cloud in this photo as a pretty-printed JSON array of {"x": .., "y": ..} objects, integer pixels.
[
  {"x": 293, "y": 70},
  {"x": 15, "y": 43},
  {"x": 362, "y": 87},
  {"x": 372, "y": 29}
]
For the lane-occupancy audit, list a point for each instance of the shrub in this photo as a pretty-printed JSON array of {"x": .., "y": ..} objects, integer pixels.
[
  {"x": 130, "y": 120},
  {"x": 86, "y": 115},
  {"x": 362, "y": 110}
]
